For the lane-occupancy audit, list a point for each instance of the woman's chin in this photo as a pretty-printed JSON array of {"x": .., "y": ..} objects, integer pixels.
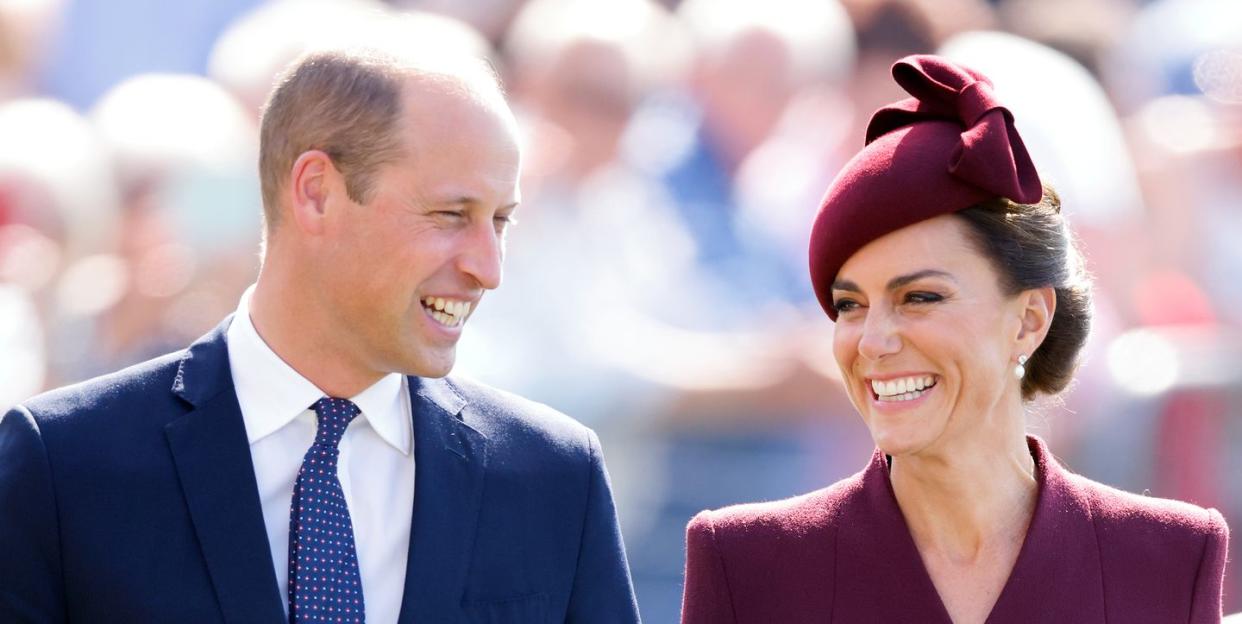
[{"x": 899, "y": 441}]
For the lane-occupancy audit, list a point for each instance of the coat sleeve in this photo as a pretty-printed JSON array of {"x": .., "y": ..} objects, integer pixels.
[
  {"x": 1206, "y": 604},
  {"x": 602, "y": 589},
  {"x": 706, "y": 598},
  {"x": 31, "y": 584}
]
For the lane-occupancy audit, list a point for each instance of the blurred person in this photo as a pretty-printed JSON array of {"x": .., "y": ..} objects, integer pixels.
[
  {"x": 183, "y": 150},
  {"x": 233, "y": 480},
  {"x": 26, "y": 28},
  {"x": 62, "y": 227},
  {"x": 257, "y": 45},
  {"x": 958, "y": 296}
]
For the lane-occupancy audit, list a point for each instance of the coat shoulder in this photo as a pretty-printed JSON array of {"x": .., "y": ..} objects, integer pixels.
[
  {"x": 1125, "y": 513},
  {"x": 131, "y": 388},
  {"x": 786, "y": 521},
  {"x": 514, "y": 421}
]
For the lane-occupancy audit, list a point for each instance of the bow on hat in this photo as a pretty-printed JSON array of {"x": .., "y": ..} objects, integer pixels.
[{"x": 990, "y": 154}]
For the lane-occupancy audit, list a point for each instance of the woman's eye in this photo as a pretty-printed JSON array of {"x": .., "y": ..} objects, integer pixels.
[
  {"x": 923, "y": 297},
  {"x": 844, "y": 305}
]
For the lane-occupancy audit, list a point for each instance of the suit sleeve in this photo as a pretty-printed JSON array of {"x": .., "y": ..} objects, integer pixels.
[
  {"x": 1206, "y": 604},
  {"x": 602, "y": 590},
  {"x": 31, "y": 584},
  {"x": 706, "y": 598}
]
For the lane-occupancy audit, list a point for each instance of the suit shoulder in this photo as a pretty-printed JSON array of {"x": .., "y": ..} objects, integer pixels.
[
  {"x": 506, "y": 417},
  {"x": 135, "y": 384},
  {"x": 789, "y": 518}
]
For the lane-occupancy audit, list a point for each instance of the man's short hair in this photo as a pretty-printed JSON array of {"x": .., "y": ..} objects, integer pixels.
[{"x": 348, "y": 104}]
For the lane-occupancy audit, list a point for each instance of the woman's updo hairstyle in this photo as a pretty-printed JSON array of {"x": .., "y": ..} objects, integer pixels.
[{"x": 1030, "y": 246}]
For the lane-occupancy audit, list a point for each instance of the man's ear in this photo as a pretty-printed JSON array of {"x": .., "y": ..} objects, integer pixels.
[
  {"x": 309, "y": 187},
  {"x": 1038, "y": 305}
]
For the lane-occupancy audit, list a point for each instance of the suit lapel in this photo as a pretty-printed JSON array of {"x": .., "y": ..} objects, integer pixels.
[
  {"x": 1058, "y": 573},
  {"x": 450, "y": 459},
  {"x": 212, "y": 457}
]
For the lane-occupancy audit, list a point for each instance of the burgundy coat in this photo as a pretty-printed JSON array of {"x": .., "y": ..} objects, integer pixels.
[{"x": 844, "y": 554}]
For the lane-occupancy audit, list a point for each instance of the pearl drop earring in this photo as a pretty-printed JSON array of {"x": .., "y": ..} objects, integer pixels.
[{"x": 1019, "y": 371}]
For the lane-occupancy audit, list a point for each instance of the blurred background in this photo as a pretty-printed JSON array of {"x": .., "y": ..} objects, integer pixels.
[{"x": 675, "y": 154}]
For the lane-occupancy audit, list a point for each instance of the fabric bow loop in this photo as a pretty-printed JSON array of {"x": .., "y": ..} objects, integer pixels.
[{"x": 990, "y": 154}]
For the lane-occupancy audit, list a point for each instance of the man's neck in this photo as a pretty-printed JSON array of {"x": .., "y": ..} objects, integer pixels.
[{"x": 301, "y": 335}]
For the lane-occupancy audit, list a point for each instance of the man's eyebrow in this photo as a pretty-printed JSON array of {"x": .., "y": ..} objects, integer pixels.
[
  {"x": 467, "y": 201},
  {"x": 896, "y": 282}
]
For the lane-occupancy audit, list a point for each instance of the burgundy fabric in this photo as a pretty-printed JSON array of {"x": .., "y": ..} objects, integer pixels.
[
  {"x": 946, "y": 148},
  {"x": 844, "y": 554}
]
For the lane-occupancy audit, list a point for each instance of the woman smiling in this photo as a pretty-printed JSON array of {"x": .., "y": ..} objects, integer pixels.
[{"x": 958, "y": 296}]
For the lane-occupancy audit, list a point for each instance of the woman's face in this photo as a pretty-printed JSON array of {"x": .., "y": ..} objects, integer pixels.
[{"x": 925, "y": 338}]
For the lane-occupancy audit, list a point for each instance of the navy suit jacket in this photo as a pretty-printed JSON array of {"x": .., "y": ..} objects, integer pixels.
[
  {"x": 844, "y": 554},
  {"x": 132, "y": 498}
]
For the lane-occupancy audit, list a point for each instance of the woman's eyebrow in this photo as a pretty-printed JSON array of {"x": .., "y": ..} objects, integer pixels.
[{"x": 896, "y": 282}]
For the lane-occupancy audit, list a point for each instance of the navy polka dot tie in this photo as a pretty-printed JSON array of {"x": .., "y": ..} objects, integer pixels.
[{"x": 324, "y": 585}]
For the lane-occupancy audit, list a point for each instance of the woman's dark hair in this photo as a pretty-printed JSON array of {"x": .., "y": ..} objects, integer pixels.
[{"x": 1030, "y": 246}]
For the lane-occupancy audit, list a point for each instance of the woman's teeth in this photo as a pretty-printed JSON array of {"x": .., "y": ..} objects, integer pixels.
[
  {"x": 905, "y": 389},
  {"x": 447, "y": 312}
]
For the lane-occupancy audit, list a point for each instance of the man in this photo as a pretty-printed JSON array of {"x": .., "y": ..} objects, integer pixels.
[{"x": 307, "y": 459}]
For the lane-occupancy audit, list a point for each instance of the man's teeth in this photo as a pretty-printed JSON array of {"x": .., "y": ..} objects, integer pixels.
[
  {"x": 448, "y": 312},
  {"x": 903, "y": 389}
]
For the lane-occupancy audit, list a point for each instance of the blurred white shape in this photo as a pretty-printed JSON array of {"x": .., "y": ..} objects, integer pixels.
[
  {"x": 162, "y": 122},
  {"x": 1143, "y": 362},
  {"x": 654, "y": 44},
  {"x": 1218, "y": 74},
  {"x": 22, "y": 361},
  {"x": 819, "y": 34},
  {"x": 28, "y": 258},
  {"x": 44, "y": 143},
  {"x": 1065, "y": 119},
  {"x": 92, "y": 285},
  {"x": 251, "y": 53},
  {"x": 1179, "y": 123},
  {"x": 1160, "y": 50}
]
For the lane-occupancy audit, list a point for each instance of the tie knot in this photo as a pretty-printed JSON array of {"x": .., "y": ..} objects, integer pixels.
[{"x": 334, "y": 415}]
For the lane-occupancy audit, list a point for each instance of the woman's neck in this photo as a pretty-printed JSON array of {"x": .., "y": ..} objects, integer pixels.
[{"x": 963, "y": 502}]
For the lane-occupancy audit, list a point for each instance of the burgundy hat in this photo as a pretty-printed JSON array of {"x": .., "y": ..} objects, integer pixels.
[{"x": 947, "y": 148}]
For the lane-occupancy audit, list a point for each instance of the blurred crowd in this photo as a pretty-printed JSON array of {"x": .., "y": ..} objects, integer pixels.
[{"x": 675, "y": 153}]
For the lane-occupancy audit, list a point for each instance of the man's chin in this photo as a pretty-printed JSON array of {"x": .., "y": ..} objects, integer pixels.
[{"x": 430, "y": 365}]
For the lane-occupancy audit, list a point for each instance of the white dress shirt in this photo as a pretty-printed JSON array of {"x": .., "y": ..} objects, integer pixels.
[{"x": 376, "y": 464}]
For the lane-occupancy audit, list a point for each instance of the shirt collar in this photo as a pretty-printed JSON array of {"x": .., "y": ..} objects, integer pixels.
[{"x": 271, "y": 393}]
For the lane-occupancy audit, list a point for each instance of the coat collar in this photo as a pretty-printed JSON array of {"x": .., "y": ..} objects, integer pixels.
[{"x": 880, "y": 575}]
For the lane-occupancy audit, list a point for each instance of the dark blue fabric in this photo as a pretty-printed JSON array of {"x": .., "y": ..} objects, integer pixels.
[
  {"x": 132, "y": 498},
  {"x": 324, "y": 583}
]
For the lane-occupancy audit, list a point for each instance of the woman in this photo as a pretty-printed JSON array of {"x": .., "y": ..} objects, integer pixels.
[{"x": 958, "y": 296}]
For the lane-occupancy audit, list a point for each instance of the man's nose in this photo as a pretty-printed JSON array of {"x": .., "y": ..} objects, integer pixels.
[
  {"x": 483, "y": 255},
  {"x": 880, "y": 336}
]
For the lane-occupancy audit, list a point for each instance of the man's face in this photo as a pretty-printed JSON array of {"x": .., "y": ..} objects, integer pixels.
[{"x": 403, "y": 272}]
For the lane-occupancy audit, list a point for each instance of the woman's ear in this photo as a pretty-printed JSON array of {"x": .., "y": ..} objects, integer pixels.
[{"x": 1038, "y": 305}]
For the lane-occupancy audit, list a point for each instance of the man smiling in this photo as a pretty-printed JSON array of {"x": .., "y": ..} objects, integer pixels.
[{"x": 309, "y": 458}]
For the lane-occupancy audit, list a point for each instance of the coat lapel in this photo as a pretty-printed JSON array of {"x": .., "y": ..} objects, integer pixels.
[
  {"x": 880, "y": 576},
  {"x": 450, "y": 459},
  {"x": 212, "y": 457},
  {"x": 1058, "y": 576}
]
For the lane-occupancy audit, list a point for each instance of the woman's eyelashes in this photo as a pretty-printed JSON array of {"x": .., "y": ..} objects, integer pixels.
[
  {"x": 917, "y": 297},
  {"x": 920, "y": 296}
]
